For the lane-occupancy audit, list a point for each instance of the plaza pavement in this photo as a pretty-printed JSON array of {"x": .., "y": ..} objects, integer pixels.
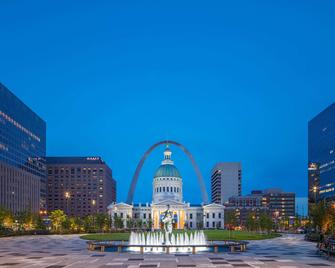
[{"x": 58, "y": 251}]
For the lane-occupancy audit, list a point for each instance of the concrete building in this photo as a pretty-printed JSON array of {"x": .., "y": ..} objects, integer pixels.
[
  {"x": 22, "y": 155},
  {"x": 321, "y": 156},
  {"x": 79, "y": 186},
  {"x": 274, "y": 202},
  {"x": 226, "y": 181},
  {"x": 168, "y": 192},
  {"x": 280, "y": 204},
  {"x": 242, "y": 206}
]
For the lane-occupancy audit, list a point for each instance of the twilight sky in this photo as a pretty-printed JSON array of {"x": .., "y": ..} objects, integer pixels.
[{"x": 231, "y": 80}]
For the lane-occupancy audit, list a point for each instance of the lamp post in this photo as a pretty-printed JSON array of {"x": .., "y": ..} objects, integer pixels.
[
  {"x": 314, "y": 191},
  {"x": 94, "y": 213},
  {"x": 67, "y": 197}
]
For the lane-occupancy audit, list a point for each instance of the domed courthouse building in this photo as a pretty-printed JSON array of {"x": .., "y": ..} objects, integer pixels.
[{"x": 167, "y": 192}]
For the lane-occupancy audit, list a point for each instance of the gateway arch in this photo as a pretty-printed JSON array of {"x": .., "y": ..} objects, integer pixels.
[{"x": 132, "y": 187}]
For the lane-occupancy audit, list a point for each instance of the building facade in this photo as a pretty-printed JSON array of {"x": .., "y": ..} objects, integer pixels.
[
  {"x": 79, "y": 186},
  {"x": 273, "y": 202},
  {"x": 281, "y": 204},
  {"x": 22, "y": 155},
  {"x": 226, "y": 181},
  {"x": 167, "y": 192},
  {"x": 242, "y": 206},
  {"x": 321, "y": 156}
]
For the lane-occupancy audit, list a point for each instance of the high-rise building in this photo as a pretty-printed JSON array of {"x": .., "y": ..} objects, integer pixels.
[
  {"x": 321, "y": 156},
  {"x": 313, "y": 184},
  {"x": 22, "y": 155},
  {"x": 226, "y": 180},
  {"x": 280, "y": 204},
  {"x": 79, "y": 186}
]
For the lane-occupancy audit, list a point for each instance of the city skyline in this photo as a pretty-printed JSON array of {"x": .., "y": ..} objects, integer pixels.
[{"x": 229, "y": 87}]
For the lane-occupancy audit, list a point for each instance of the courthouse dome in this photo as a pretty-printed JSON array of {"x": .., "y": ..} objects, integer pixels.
[{"x": 167, "y": 170}]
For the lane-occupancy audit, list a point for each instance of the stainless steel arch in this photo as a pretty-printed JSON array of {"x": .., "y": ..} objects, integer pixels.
[{"x": 132, "y": 187}]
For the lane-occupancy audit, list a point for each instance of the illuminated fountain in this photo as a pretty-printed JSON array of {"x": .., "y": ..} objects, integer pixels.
[
  {"x": 160, "y": 241},
  {"x": 155, "y": 241}
]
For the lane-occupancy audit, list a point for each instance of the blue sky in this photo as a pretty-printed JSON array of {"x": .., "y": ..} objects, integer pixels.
[{"x": 231, "y": 80}]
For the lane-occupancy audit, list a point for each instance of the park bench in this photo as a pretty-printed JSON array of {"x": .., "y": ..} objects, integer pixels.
[{"x": 327, "y": 247}]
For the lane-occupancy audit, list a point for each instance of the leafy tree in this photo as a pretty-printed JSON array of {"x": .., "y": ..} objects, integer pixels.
[
  {"x": 6, "y": 218},
  {"x": 57, "y": 218},
  {"x": 251, "y": 222},
  {"x": 89, "y": 223},
  {"x": 38, "y": 222},
  {"x": 118, "y": 222},
  {"x": 25, "y": 220},
  {"x": 102, "y": 221},
  {"x": 265, "y": 222},
  {"x": 230, "y": 219}
]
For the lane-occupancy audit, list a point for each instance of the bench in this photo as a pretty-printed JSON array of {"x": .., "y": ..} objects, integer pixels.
[{"x": 327, "y": 247}]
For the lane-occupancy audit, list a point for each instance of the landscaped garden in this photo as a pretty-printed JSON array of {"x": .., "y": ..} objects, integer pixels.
[{"x": 210, "y": 234}]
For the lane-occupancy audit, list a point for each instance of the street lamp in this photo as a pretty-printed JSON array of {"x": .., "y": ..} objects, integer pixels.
[
  {"x": 314, "y": 191},
  {"x": 67, "y": 197},
  {"x": 93, "y": 204}
]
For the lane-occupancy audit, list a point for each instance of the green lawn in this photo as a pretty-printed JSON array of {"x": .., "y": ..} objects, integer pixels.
[{"x": 211, "y": 235}]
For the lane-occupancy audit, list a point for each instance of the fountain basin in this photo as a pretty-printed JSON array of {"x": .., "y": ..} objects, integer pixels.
[{"x": 212, "y": 246}]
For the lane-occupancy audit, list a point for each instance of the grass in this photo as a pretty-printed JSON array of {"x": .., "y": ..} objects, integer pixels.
[{"x": 211, "y": 235}]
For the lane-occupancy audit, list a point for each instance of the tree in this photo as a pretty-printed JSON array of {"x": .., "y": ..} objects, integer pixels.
[
  {"x": 25, "y": 220},
  {"x": 118, "y": 222},
  {"x": 57, "y": 218},
  {"x": 265, "y": 222},
  {"x": 6, "y": 218},
  {"x": 230, "y": 219},
  {"x": 102, "y": 221},
  {"x": 251, "y": 222},
  {"x": 89, "y": 223}
]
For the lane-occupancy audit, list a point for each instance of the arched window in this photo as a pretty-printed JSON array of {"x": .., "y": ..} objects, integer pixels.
[
  {"x": 171, "y": 189},
  {"x": 163, "y": 189},
  {"x": 160, "y": 189}
]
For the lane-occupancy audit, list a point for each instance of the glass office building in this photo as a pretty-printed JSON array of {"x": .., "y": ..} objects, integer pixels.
[
  {"x": 22, "y": 155},
  {"x": 321, "y": 156}
]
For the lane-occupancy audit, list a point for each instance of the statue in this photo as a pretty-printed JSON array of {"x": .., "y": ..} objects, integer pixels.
[{"x": 167, "y": 220}]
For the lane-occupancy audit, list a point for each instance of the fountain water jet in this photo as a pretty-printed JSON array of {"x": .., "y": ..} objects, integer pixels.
[{"x": 153, "y": 242}]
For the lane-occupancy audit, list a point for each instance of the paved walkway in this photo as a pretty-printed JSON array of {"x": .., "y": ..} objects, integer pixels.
[{"x": 59, "y": 251}]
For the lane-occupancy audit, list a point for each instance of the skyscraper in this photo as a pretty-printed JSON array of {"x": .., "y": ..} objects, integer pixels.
[
  {"x": 321, "y": 155},
  {"x": 22, "y": 155},
  {"x": 226, "y": 181},
  {"x": 79, "y": 186}
]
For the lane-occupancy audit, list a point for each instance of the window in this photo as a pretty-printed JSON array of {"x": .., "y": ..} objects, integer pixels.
[
  {"x": 213, "y": 215},
  {"x": 207, "y": 215},
  {"x": 220, "y": 216},
  {"x": 144, "y": 216},
  {"x": 121, "y": 214},
  {"x": 207, "y": 224},
  {"x": 191, "y": 225},
  {"x": 213, "y": 224},
  {"x": 191, "y": 216},
  {"x": 163, "y": 189},
  {"x": 167, "y": 189},
  {"x": 171, "y": 189}
]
